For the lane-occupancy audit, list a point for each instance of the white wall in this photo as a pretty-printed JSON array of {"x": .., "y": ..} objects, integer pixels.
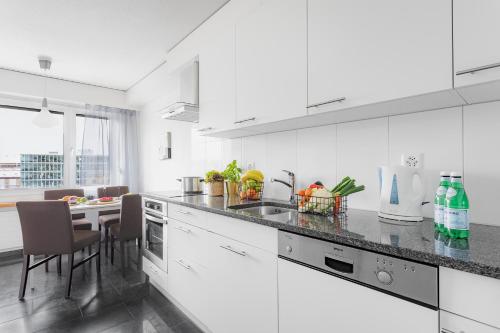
[{"x": 458, "y": 139}]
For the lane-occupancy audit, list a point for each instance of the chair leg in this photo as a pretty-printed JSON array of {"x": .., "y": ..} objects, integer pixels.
[
  {"x": 24, "y": 276},
  {"x": 46, "y": 264},
  {"x": 112, "y": 249},
  {"x": 106, "y": 236},
  {"x": 59, "y": 257},
  {"x": 122, "y": 255},
  {"x": 98, "y": 258},
  {"x": 69, "y": 275}
]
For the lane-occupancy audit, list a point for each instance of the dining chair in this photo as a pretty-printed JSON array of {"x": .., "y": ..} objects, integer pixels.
[
  {"x": 47, "y": 230},
  {"x": 110, "y": 217},
  {"x": 130, "y": 226},
  {"x": 79, "y": 220}
]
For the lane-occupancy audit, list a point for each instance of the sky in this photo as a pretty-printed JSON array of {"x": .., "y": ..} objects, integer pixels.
[{"x": 19, "y": 135}]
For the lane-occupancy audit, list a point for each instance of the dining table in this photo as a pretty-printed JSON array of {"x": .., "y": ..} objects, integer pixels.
[{"x": 99, "y": 207}]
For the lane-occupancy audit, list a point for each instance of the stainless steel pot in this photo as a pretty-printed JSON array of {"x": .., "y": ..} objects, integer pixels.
[{"x": 191, "y": 184}]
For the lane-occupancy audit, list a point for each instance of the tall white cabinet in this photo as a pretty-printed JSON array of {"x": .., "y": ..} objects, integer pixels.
[
  {"x": 476, "y": 29},
  {"x": 271, "y": 60},
  {"x": 362, "y": 52}
]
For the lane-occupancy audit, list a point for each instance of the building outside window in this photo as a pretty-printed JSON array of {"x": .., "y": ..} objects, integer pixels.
[
  {"x": 30, "y": 157},
  {"x": 42, "y": 170}
]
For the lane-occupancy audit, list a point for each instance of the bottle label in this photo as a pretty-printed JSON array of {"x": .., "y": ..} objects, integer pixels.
[
  {"x": 439, "y": 214},
  {"x": 457, "y": 219},
  {"x": 441, "y": 191},
  {"x": 451, "y": 193}
]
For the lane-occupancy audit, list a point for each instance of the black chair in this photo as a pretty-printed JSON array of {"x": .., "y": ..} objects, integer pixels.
[
  {"x": 130, "y": 226},
  {"x": 47, "y": 229},
  {"x": 110, "y": 217}
]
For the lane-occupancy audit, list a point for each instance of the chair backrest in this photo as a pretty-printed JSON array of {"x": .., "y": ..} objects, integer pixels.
[
  {"x": 131, "y": 217},
  {"x": 46, "y": 227},
  {"x": 58, "y": 194},
  {"x": 111, "y": 191}
]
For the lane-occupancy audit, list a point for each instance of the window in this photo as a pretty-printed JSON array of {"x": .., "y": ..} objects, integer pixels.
[
  {"x": 92, "y": 152},
  {"x": 30, "y": 157}
]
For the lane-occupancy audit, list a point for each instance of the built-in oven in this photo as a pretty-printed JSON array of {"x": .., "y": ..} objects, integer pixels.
[{"x": 155, "y": 232}]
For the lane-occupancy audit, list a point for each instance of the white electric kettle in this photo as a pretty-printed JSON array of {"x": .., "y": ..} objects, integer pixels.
[{"x": 401, "y": 193}]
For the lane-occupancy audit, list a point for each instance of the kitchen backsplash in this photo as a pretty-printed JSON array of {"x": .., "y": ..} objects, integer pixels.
[{"x": 462, "y": 139}]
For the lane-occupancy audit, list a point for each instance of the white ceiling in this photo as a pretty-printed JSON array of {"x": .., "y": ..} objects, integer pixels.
[{"x": 110, "y": 43}]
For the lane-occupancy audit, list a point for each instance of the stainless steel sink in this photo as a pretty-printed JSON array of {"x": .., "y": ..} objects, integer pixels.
[{"x": 265, "y": 210}]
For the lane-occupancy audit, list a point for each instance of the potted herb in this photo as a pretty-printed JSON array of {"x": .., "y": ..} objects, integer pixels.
[
  {"x": 232, "y": 175},
  {"x": 215, "y": 183}
]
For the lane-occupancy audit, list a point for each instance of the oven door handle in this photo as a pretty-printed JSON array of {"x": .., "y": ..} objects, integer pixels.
[{"x": 150, "y": 217}]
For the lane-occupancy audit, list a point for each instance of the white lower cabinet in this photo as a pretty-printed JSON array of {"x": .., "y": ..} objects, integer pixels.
[
  {"x": 243, "y": 284},
  {"x": 315, "y": 302},
  {"x": 155, "y": 273},
  {"x": 188, "y": 284},
  {"x": 227, "y": 284},
  {"x": 451, "y": 323},
  {"x": 470, "y": 295}
]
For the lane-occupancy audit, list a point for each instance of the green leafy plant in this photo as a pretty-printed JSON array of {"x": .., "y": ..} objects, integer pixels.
[
  {"x": 213, "y": 176},
  {"x": 232, "y": 173}
]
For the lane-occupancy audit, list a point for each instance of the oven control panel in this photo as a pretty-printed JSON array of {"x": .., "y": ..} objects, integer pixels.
[{"x": 155, "y": 206}]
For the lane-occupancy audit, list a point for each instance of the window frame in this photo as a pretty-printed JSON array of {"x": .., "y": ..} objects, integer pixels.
[{"x": 69, "y": 114}]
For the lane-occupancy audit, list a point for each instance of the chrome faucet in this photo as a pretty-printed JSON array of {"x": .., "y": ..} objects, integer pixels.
[{"x": 290, "y": 184}]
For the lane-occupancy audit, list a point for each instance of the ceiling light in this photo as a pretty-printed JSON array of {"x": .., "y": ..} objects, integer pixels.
[{"x": 44, "y": 118}]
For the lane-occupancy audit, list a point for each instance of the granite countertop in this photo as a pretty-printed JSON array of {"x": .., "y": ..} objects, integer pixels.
[{"x": 417, "y": 241}]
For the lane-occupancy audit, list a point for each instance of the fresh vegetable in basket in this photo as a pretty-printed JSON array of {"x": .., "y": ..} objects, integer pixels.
[
  {"x": 318, "y": 200},
  {"x": 252, "y": 185},
  {"x": 346, "y": 187}
]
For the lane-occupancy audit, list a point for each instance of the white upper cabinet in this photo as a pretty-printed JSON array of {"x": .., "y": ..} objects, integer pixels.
[
  {"x": 476, "y": 30},
  {"x": 217, "y": 84},
  {"x": 271, "y": 60},
  {"x": 362, "y": 51}
]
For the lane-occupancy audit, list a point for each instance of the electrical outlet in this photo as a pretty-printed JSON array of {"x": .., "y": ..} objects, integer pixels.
[{"x": 412, "y": 160}]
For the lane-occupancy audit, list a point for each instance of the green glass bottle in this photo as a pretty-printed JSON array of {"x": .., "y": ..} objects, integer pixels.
[
  {"x": 457, "y": 248},
  {"x": 440, "y": 201},
  {"x": 457, "y": 209}
]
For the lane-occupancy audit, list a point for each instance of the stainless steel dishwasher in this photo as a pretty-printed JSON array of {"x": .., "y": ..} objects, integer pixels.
[{"x": 326, "y": 287}]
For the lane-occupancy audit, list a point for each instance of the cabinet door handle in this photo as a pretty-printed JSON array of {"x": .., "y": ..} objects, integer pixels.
[
  {"x": 184, "y": 212},
  {"x": 478, "y": 69},
  {"x": 205, "y": 129},
  {"x": 187, "y": 231},
  {"x": 445, "y": 330},
  {"x": 244, "y": 120},
  {"x": 183, "y": 264},
  {"x": 336, "y": 100},
  {"x": 229, "y": 248}
]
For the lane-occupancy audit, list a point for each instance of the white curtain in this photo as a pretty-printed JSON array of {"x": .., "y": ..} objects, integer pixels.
[{"x": 111, "y": 135}]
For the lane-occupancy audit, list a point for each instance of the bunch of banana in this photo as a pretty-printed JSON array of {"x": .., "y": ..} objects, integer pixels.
[{"x": 255, "y": 175}]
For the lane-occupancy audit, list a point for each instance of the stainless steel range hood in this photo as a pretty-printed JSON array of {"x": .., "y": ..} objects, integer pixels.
[{"x": 183, "y": 103}]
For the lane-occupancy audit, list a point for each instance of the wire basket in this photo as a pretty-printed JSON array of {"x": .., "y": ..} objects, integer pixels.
[
  {"x": 251, "y": 190},
  {"x": 321, "y": 206}
]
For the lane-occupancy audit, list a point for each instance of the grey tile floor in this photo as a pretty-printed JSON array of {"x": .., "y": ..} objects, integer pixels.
[{"x": 105, "y": 303}]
